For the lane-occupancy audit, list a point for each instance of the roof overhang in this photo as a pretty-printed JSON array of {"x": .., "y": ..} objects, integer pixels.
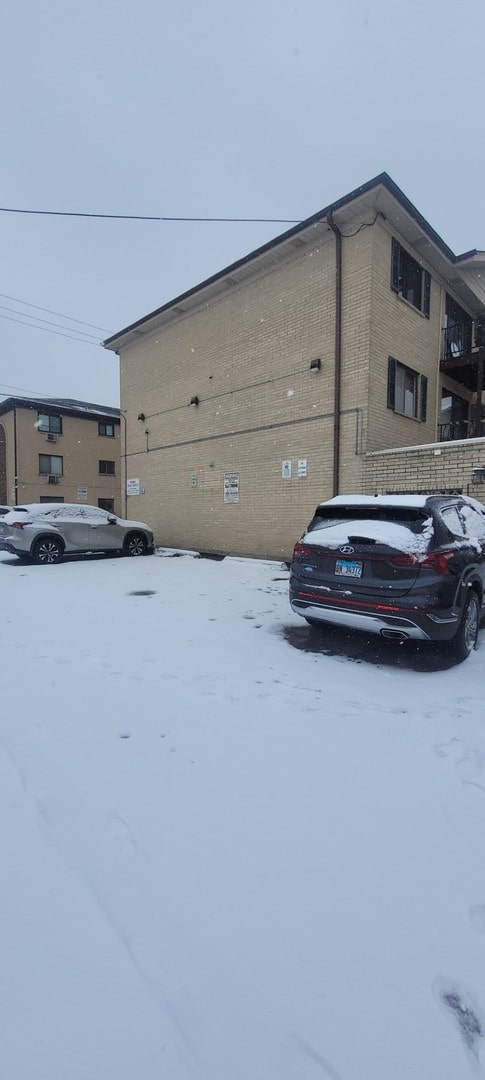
[{"x": 379, "y": 197}]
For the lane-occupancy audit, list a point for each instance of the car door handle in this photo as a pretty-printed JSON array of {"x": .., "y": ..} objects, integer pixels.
[{"x": 94, "y": 526}]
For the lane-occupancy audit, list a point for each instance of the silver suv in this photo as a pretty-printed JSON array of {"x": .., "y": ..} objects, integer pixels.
[{"x": 45, "y": 532}]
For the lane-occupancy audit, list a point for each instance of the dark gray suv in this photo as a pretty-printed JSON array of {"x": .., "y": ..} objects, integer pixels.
[{"x": 410, "y": 566}]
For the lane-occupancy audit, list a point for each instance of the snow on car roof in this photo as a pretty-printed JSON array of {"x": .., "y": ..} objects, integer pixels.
[
  {"x": 408, "y": 500},
  {"x": 41, "y": 508},
  {"x": 383, "y": 532}
]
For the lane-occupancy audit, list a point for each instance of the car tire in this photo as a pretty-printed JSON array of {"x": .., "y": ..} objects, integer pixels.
[
  {"x": 49, "y": 550},
  {"x": 465, "y": 639},
  {"x": 135, "y": 545}
]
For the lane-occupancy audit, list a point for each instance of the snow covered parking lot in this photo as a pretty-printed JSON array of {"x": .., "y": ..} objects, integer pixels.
[{"x": 228, "y": 854}]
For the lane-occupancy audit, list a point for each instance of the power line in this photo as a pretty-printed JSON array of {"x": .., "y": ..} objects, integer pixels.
[
  {"x": 49, "y": 311},
  {"x": 30, "y": 393},
  {"x": 46, "y": 330},
  {"x": 48, "y": 321},
  {"x": 149, "y": 217}
]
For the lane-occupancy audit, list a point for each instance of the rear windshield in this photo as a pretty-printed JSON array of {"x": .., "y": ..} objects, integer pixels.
[{"x": 413, "y": 519}]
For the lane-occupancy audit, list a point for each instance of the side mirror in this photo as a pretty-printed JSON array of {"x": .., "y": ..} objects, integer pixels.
[{"x": 112, "y": 521}]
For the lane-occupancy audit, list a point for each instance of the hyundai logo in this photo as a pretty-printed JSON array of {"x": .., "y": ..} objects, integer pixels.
[{"x": 347, "y": 550}]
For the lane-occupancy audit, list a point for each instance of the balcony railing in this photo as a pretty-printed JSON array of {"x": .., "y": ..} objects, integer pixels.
[
  {"x": 461, "y": 429},
  {"x": 457, "y": 341}
]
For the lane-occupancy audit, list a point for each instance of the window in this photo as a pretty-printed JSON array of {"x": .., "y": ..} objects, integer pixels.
[
  {"x": 51, "y": 424},
  {"x": 409, "y": 280},
  {"x": 106, "y": 429},
  {"x": 407, "y": 391},
  {"x": 107, "y": 468},
  {"x": 51, "y": 499},
  {"x": 453, "y": 417},
  {"x": 50, "y": 465},
  {"x": 474, "y": 521},
  {"x": 107, "y": 504},
  {"x": 458, "y": 330},
  {"x": 453, "y": 521}
]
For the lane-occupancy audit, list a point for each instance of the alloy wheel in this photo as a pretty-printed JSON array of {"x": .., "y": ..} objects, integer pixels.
[
  {"x": 48, "y": 551},
  {"x": 471, "y": 625}
]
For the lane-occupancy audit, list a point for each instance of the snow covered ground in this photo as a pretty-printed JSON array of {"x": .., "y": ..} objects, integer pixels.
[{"x": 231, "y": 849}]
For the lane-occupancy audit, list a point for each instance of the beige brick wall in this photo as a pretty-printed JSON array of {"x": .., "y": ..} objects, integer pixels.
[
  {"x": 399, "y": 330},
  {"x": 433, "y": 468},
  {"x": 246, "y": 355},
  {"x": 81, "y": 449},
  {"x": 9, "y": 472}
]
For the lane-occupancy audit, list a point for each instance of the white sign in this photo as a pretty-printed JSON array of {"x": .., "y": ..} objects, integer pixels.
[
  {"x": 231, "y": 487},
  {"x": 302, "y": 467},
  {"x": 286, "y": 470},
  {"x": 82, "y": 494},
  {"x": 133, "y": 487}
]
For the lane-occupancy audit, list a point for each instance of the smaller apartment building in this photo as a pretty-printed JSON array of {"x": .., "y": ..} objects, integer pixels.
[
  {"x": 59, "y": 450},
  {"x": 272, "y": 385}
]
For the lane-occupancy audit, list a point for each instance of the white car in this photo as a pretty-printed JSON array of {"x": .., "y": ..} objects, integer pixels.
[{"x": 45, "y": 532}]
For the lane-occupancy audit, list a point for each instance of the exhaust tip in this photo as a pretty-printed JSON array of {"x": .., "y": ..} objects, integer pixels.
[{"x": 394, "y": 635}]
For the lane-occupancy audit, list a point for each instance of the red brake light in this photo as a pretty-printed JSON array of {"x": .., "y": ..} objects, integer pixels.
[
  {"x": 302, "y": 550},
  {"x": 437, "y": 561},
  {"x": 434, "y": 560},
  {"x": 19, "y": 524},
  {"x": 404, "y": 560}
]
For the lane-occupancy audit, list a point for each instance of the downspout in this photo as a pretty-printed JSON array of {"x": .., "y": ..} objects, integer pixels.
[
  {"x": 338, "y": 352},
  {"x": 15, "y": 462}
]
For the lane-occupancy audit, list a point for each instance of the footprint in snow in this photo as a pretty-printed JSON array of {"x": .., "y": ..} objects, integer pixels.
[{"x": 464, "y": 1012}]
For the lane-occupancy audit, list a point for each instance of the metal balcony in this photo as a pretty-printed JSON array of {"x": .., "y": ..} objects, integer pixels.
[
  {"x": 461, "y": 429},
  {"x": 463, "y": 352}
]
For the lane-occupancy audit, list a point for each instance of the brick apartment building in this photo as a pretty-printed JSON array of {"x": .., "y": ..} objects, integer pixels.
[
  {"x": 296, "y": 372},
  {"x": 59, "y": 450}
]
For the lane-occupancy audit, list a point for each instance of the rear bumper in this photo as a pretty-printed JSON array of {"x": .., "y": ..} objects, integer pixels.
[
  {"x": 409, "y": 623},
  {"x": 6, "y": 546}
]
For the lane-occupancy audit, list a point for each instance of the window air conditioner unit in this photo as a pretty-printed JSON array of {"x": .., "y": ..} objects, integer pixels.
[
  {"x": 53, "y": 479},
  {"x": 52, "y": 437}
]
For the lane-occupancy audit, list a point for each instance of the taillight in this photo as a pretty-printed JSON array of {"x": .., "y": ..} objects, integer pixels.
[
  {"x": 403, "y": 560},
  {"x": 19, "y": 524},
  {"x": 437, "y": 561},
  {"x": 302, "y": 550}
]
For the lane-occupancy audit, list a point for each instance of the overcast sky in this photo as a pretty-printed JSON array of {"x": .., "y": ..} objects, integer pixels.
[{"x": 266, "y": 108}]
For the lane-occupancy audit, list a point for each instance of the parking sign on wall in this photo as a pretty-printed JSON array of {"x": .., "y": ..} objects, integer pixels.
[{"x": 231, "y": 487}]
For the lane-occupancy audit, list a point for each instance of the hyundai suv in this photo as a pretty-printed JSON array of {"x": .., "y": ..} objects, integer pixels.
[{"x": 410, "y": 566}]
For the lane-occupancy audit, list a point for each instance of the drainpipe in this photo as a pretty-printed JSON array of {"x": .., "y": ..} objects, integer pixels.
[
  {"x": 338, "y": 352},
  {"x": 480, "y": 372},
  {"x": 15, "y": 462}
]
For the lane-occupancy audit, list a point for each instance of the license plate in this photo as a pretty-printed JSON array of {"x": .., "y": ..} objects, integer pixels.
[{"x": 344, "y": 568}]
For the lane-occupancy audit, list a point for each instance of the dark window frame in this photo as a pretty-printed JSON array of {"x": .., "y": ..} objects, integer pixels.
[
  {"x": 106, "y": 424},
  {"x": 107, "y": 470},
  {"x": 409, "y": 279},
  {"x": 50, "y": 429},
  {"x": 109, "y": 509},
  {"x": 50, "y": 471},
  {"x": 420, "y": 393}
]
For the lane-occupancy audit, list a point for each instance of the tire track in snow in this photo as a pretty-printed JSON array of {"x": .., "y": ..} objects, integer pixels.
[{"x": 71, "y": 826}]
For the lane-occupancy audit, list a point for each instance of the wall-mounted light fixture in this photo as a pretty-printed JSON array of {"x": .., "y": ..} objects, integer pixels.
[
  {"x": 478, "y": 475},
  {"x": 194, "y": 400},
  {"x": 141, "y": 416},
  {"x": 316, "y": 364}
]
